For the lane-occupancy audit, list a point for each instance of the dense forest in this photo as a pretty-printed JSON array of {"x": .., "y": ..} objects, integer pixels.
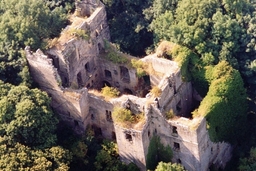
[{"x": 215, "y": 45}]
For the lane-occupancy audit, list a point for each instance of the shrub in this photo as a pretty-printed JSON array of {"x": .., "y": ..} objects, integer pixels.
[
  {"x": 122, "y": 115},
  {"x": 169, "y": 114},
  {"x": 116, "y": 58},
  {"x": 125, "y": 117},
  {"x": 79, "y": 33},
  {"x": 156, "y": 91},
  {"x": 110, "y": 92},
  {"x": 140, "y": 67},
  {"x": 112, "y": 54}
]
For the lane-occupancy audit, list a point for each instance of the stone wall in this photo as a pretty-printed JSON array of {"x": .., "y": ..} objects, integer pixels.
[{"x": 73, "y": 66}]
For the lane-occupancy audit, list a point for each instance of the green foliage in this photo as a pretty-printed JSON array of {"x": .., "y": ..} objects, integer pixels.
[
  {"x": 113, "y": 55},
  {"x": 26, "y": 23},
  {"x": 157, "y": 152},
  {"x": 169, "y": 167},
  {"x": 18, "y": 157},
  {"x": 214, "y": 30},
  {"x": 122, "y": 115},
  {"x": 248, "y": 163},
  {"x": 139, "y": 66},
  {"x": 107, "y": 159},
  {"x": 79, "y": 33},
  {"x": 110, "y": 92},
  {"x": 26, "y": 116},
  {"x": 128, "y": 28},
  {"x": 125, "y": 117},
  {"x": 225, "y": 104}
]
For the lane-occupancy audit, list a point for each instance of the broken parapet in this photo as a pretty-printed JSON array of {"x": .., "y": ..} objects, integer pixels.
[{"x": 69, "y": 104}]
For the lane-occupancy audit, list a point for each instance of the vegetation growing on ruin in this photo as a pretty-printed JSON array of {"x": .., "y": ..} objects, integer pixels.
[
  {"x": 169, "y": 114},
  {"x": 207, "y": 33},
  {"x": 225, "y": 103},
  {"x": 126, "y": 118},
  {"x": 113, "y": 55},
  {"x": 110, "y": 92},
  {"x": 156, "y": 91},
  {"x": 78, "y": 33},
  {"x": 157, "y": 152},
  {"x": 140, "y": 67},
  {"x": 162, "y": 166}
]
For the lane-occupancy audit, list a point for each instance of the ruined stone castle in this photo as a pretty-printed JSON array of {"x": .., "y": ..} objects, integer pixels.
[{"x": 74, "y": 67}]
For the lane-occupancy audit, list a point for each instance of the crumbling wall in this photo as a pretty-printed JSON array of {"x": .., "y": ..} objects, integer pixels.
[
  {"x": 112, "y": 74},
  {"x": 86, "y": 8},
  {"x": 100, "y": 113},
  {"x": 130, "y": 146},
  {"x": 71, "y": 105},
  {"x": 189, "y": 141}
]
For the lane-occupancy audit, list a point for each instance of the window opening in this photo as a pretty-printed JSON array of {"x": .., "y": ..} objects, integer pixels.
[
  {"x": 178, "y": 106},
  {"x": 174, "y": 130},
  {"x": 87, "y": 67},
  {"x": 128, "y": 137},
  {"x": 176, "y": 146},
  {"x": 108, "y": 75},
  {"x": 108, "y": 116},
  {"x": 79, "y": 79},
  {"x": 92, "y": 117},
  {"x": 115, "y": 72},
  {"x": 124, "y": 74},
  {"x": 179, "y": 161}
]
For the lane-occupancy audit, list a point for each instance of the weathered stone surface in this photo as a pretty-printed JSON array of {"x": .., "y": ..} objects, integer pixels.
[{"x": 67, "y": 70}]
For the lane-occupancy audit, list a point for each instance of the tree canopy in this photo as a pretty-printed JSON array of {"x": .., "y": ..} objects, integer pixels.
[
  {"x": 157, "y": 152},
  {"x": 26, "y": 116},
  {"x": 128, "y": 28},
  {"x": 26, "y": 23},
  {"x": 21, "y": 157}
]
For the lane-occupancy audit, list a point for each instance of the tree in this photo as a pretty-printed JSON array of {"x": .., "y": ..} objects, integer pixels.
[
  {"x": 26, "y": 23},
  {"x": 225, "y": 104},
  {"x": 220, "y": 28},
  {"x": 26, "y": 116},
  {"x": 128, "y": 28},
  {"x": 18, "y": 157},
  {"x": 248, "y": 163},
  {"x": 169, "y": 167},
  {"x": 107, "y": 159},
  {"x": 157, "y": 152}
]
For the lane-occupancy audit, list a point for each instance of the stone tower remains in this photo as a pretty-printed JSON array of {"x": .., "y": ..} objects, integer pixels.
[{"x": 75, "y": 65}]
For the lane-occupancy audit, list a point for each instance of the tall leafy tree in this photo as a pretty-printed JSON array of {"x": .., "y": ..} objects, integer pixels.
[
  {"x": 26, "y": 116},
  {"x": 157, "y": 152},
  {"x": 20, "y": 157},
  {"x": 248, "y": 163},
  {"x": 128, "y": 28},
  {"x": 25, "y": 23},
  {"x": 222, "y": 29}
]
